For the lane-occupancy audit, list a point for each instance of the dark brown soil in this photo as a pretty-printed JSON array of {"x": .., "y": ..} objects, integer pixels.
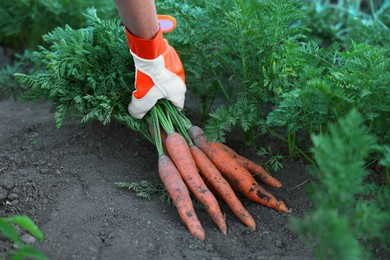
[{"x": 64, "y": 180}]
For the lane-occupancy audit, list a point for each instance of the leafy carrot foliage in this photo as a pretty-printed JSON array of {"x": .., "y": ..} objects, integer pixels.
[
  {"x": 354, "y": 214},
  {"x": 22, "y": 23},
  {"x": 87, "y": 73},
  {"x": 349, "y": 21}
]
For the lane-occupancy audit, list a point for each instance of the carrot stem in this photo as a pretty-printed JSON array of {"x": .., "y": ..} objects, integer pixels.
[
  {"x": 174, "y": 114},
  {"x": 165, "y": 122},
  {"x": 307, "y": 157},
  {"x": 157, "y": 133}
]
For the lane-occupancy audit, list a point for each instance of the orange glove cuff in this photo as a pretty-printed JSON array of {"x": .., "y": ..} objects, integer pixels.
[{"x": 144, "y": 48}]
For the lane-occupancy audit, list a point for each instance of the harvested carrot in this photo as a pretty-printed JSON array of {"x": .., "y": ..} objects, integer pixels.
[
  {"x": 238, "y": 177},
  {"x": 253, "y": 168},
  {"x": 222, "y": 193},
  {"x": 176, "y": 187},
  {"x": 221, "y": 186},
  {"x": 180, "y": 153}
]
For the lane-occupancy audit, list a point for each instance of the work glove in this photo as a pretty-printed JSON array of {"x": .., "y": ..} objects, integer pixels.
[{"x": 159, "y": 71}]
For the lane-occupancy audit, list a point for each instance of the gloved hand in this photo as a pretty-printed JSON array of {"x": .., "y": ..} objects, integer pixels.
[{"x": 159, "y": 72}]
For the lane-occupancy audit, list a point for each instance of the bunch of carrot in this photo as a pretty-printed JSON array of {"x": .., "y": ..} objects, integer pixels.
[{"x": 188, "y": 162}]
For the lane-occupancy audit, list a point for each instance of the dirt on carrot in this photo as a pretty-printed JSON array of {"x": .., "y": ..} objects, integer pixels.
[
  {"x": 177, "y": 189},
  {"x": 254, "y": 168},
  {"x": 221, "y": 186},
  {"x": 238, "y": 177},
  {"x": 180, "y": 153}
]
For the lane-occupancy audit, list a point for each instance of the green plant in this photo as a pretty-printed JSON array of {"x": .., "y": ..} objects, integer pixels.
[
  {"x": 86, "y": 73},
  {"x": 257, "y": 52},
  {"x": 225, "y": 44},
  {"x": 273, "y": 163},
  {"x": 23, "y": 63},
  {"x": 22, "y": 23},
  {"x": 342, "y": 80},
  {"x": 303, "y": 86},
  {"x": 354, "y": 214},
  {"x": 350, "y": 20},
  {"x": 280, "y": 83},
  {"x": 7, "y": 229}
]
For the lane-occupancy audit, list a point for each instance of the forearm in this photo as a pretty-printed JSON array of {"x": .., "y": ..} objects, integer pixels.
[{"x": 139, "y": 16}]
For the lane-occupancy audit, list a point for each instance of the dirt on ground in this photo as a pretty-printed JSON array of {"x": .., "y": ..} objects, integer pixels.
[{"x": 64, "y": 179}]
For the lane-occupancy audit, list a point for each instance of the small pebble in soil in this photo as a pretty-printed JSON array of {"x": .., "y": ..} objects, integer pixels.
[
  {"x": 13, "y": 196},
  {"x": 44, "y": 171},
  {"x": 93, "y": 250},
  {"x": 3, "y": 194},
  {"x": 7, "y": 183},
  {"x": 279, "y": 243},
  {"x": 28, "y": 239}
]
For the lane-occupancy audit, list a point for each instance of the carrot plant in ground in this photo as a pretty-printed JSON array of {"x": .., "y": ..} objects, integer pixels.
[
  {"x": 22, "y": 23},
  {"x": 285, "y": 85},
  {"x": 352, "y": 219},
  {"x": 224, "y": 46},
  {"x": 349, "y": 21},
  {"x": 9, "y": 231},
  {"x": 253, "y": 48},
  {"x": 356, "y": 78},
  {"x": 23, "y": 63}
]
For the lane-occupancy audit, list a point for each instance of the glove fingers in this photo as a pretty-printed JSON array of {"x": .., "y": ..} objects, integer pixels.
[
  {"x": 139, "y": 107},
  {"x": 177, "y": 97}
]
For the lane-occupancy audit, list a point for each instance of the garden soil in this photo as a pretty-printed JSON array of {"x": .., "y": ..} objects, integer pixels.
[{"x": 64, "y": 179}]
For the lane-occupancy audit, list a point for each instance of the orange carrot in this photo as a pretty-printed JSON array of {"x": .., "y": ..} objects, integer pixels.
[
  {"x": 253, "y": 168},
  {"x": 173, "y": 182},
  {"x": 238, "y": 177},
  {"x": 181, "y": 155},
  {"x": 216, "y": 180},
  {"x": 243, "y": 214}
]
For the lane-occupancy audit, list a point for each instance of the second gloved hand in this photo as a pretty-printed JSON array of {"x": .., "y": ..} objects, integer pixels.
[{"x": 159, "y": 74}]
